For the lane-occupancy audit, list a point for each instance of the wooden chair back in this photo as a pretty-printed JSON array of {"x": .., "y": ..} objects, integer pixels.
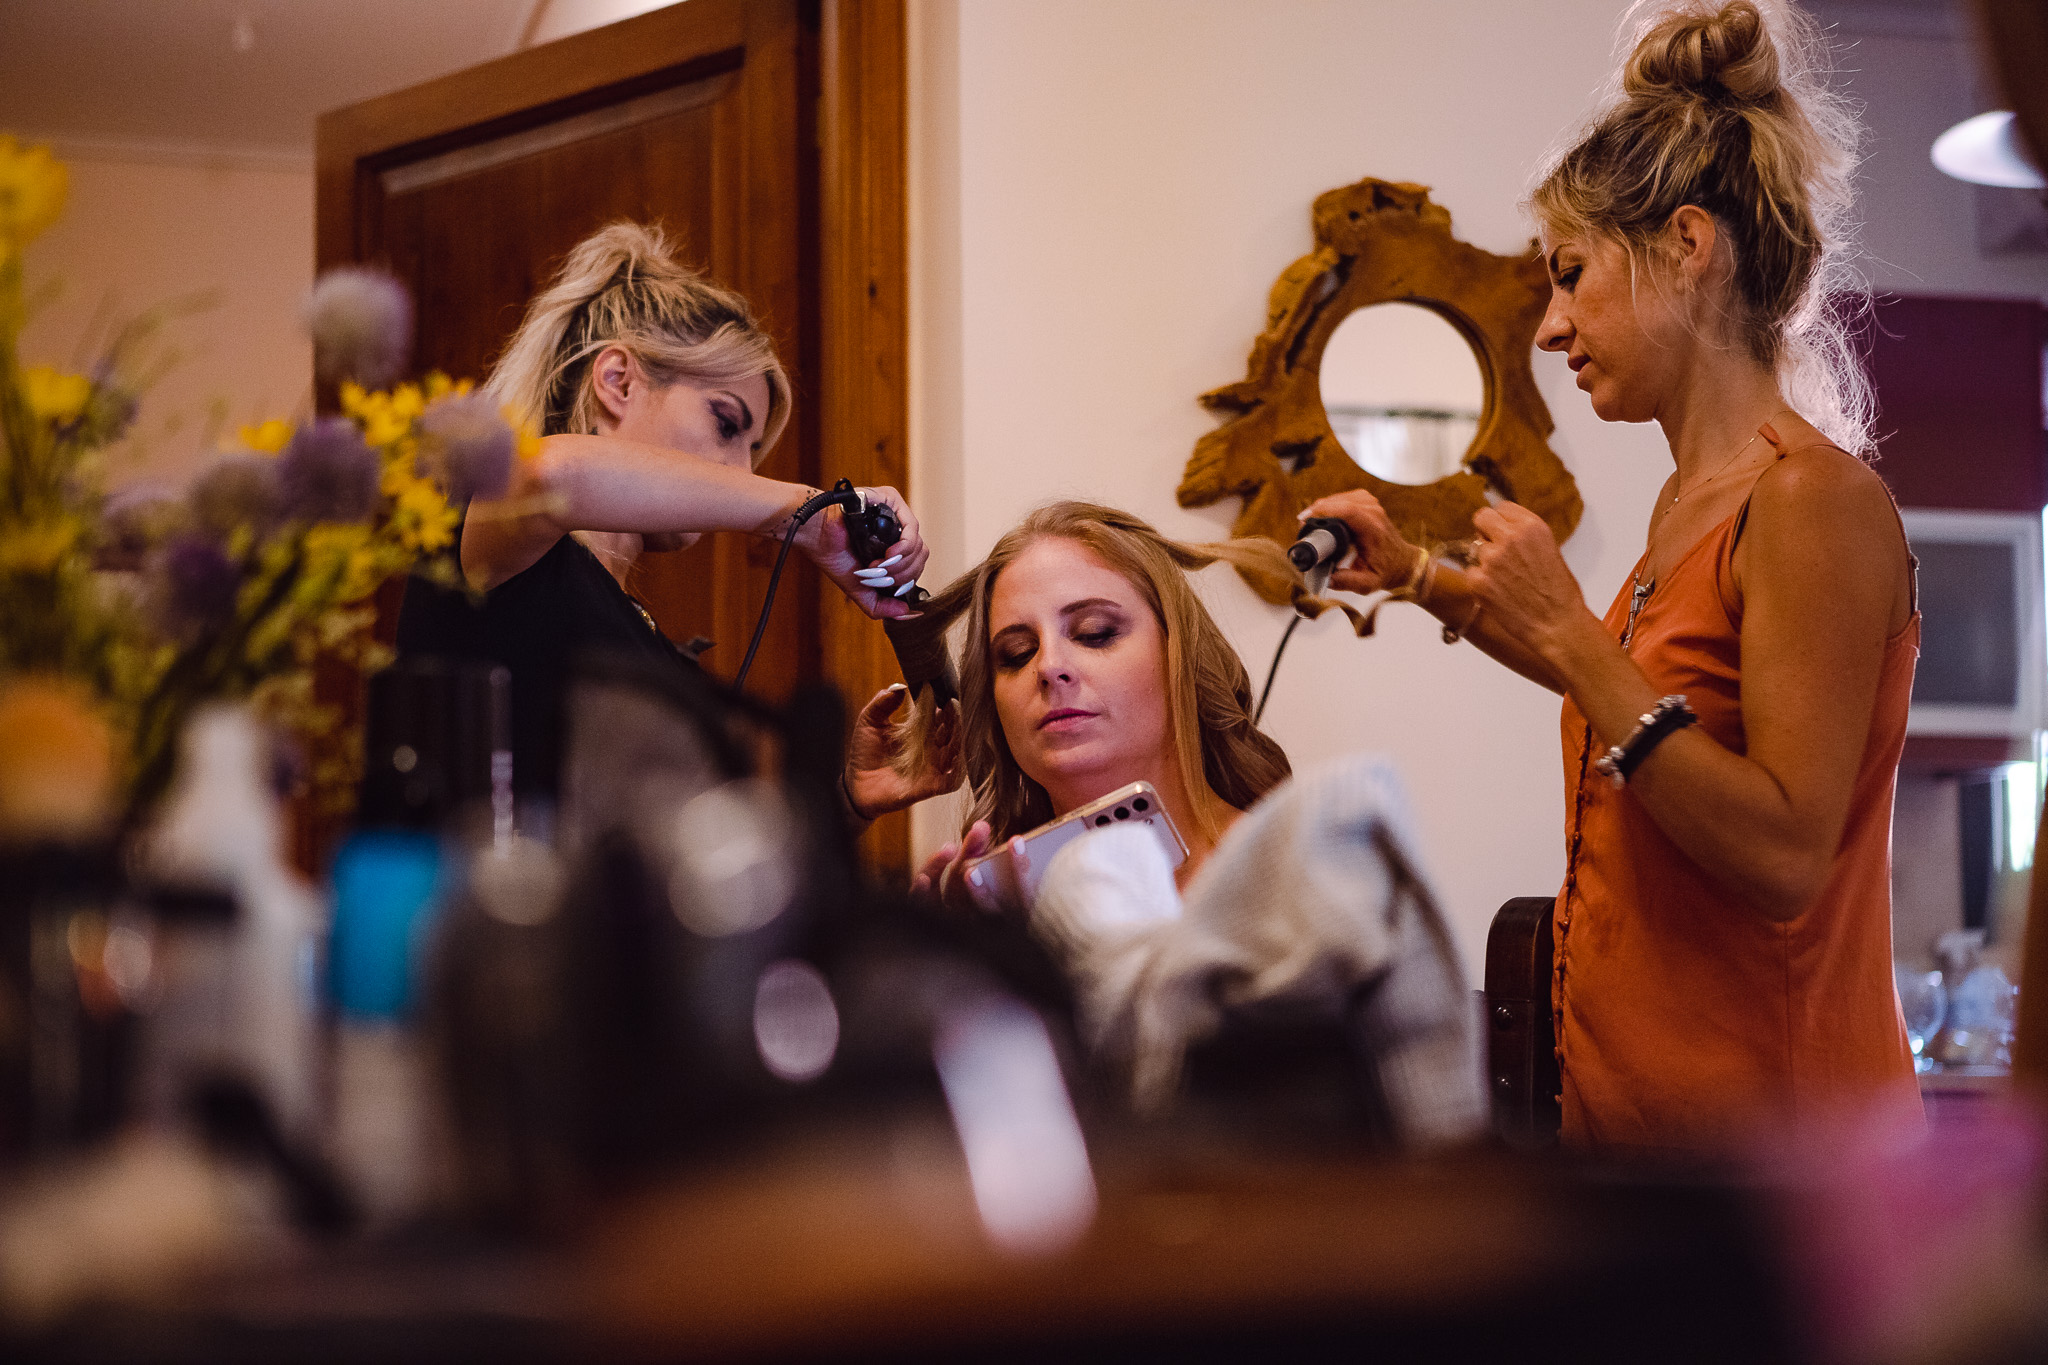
[{"x": 1521, "y": 1054}]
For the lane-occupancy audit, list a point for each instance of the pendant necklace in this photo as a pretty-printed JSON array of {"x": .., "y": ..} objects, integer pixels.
[
  {"x": 1725, "y": 464},
  {"x": 1642, "y": 590}
]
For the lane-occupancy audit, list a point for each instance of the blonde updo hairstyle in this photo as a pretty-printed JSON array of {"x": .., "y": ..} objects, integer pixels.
[
  {"x": 622, "y": 286},
  {"x": 1227, "y": 761},
  {"x": 1727, "y": 107}
]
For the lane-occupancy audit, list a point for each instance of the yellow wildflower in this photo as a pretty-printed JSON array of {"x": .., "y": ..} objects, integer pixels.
[
  {"x": 423, "y": 520},
  {"x": 439, "y": 386},
  {"x": 269, "y": 437},
  {"x": 38, "y": 548},
  {"x": 53, "y": 396},
  {"x": 398, "y": 476},
  {"x": 401, "y": 466},
  {"x": 383, "y": 416},
  {"x": 32, "y": 186}
]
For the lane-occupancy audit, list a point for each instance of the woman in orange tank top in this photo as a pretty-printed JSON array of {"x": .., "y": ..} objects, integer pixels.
[{"x": 1732, "y": 727}]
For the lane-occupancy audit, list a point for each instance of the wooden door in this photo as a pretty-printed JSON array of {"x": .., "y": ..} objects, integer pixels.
[{"x": 767, "y": 135}]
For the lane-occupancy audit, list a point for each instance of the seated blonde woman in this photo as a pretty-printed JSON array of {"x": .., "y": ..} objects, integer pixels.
[{"x": 1089, "y": 663}]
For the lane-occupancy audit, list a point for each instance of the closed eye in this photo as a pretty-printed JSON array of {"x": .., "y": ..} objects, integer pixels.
[
  {"x": 728, "y": 423},
  {"x": 1013, "y": 649}
]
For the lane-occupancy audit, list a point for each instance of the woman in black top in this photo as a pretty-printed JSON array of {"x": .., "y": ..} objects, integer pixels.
[{"x": 656, "y": 393}]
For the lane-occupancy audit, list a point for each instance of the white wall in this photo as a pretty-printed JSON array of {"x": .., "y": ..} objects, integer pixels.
[
  {"x": 1102, "y": 194},
  {"x": 137, "y": 234}
]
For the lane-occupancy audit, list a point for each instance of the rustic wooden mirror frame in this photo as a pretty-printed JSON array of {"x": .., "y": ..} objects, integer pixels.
[{"x": 1382, "y": 242}]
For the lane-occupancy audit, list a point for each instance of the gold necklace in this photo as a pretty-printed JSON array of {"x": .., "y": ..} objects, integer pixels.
[
  {"x": 1732, "y": 458},
  {"x": 1679, "y": 493}
]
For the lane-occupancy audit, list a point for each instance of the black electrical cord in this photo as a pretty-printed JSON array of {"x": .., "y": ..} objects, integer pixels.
[
  {"x": 796, "y": 520},
  {"x": 1274, "y": 671}
]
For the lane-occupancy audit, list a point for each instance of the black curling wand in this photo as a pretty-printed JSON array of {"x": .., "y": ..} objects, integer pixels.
[
  {"x": 919, "y": 642},
  {"x": 871, "y": 528}
]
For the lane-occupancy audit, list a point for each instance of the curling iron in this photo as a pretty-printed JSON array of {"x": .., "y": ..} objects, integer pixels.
[
  {"x": 920, "y": 644},
  {"x": 871, "y": 528},
  {"x": 1322, "y": 542}
]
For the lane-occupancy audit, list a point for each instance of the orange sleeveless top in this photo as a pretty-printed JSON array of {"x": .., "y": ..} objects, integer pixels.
[{"x": 1683, "y": 1017}]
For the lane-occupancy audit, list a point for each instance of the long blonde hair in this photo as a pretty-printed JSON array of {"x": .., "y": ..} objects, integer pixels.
[
  {"x": 1728, "y": 107},
  {"x": 622, "y": 286},
  {"x": 1226, "y": 760}
]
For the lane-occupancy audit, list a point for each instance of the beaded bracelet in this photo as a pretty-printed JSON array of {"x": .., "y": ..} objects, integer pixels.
[{"x": 1670, "y": 715}]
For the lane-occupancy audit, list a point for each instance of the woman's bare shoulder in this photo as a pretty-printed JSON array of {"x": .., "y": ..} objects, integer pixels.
[
  {"x": 1821, "y": 488},
  {"x": 1823, "y": 520}
]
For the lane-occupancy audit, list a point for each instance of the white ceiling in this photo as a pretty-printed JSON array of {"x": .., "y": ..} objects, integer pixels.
[{"x": 167, "y": 75}]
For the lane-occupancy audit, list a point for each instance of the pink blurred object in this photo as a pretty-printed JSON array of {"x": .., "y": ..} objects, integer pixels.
[{"x": 1900, "y": 1235}]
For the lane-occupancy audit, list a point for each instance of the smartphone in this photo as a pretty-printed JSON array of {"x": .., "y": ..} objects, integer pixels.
[{"x": 1010, "y": 875}]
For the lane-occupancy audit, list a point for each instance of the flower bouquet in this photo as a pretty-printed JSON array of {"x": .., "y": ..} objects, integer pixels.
[{"x": 149, "y": 603}]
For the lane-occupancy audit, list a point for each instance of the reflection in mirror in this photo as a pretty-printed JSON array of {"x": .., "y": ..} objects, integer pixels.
[{"x": 1403, "y": 392}]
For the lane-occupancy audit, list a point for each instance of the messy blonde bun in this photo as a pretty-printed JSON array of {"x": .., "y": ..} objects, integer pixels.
[
  {"x": 1728, "y": 107},
  {"x": 621, "y": 286}
]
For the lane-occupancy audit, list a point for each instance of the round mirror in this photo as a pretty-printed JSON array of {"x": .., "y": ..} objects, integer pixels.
[{"x": 1403, "y": 392}]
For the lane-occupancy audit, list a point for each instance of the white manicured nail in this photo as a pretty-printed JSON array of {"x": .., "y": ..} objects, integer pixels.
[
  {"x": 870, "y": 576},
  {"x": 906, "y": 587},
  {"x": 887, "y": 562}
]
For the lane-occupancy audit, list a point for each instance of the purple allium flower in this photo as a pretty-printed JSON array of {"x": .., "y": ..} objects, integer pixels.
[
  {"x": 468, "y": 447},
  {"x": 134, "y": 520},
  {"x": 327, "y": 473},
  {"x": 361, "y": 321},
  {"x": 108, "y": 414},
  {"x": 198, "y": 585},
  {"x": 237, "y": 490}
]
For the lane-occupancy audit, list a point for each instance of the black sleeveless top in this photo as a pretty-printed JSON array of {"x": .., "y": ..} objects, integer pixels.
[{"x": 538, "y": 624}]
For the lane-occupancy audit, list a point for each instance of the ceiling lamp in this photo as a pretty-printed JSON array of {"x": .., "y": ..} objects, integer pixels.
[{"x": 1986, "y": 150}]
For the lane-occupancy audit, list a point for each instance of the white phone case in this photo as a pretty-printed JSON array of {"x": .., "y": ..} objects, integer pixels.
[{"x": 1010, "y": 875}]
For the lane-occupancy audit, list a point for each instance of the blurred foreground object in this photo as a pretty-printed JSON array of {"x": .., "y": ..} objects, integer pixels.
[
  {"x": 155, "y": 604},
  {"x": 57, "y": 765},
  {"x": 436, "y": 750},
  {"x": 1913, "y": 1242},
  {"x": 138, "y": 1221},
  {"x": 361, "y": 321},
  {"x": 1310, "y": 914},
  {"x": 240, "y": 921},
  {"x": 63, "y": 1021}
]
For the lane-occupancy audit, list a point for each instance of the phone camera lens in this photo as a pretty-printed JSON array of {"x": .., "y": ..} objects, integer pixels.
[
  {"x": 1141, "y": 804},
  {"x": 1123, "y": 812},
  {"x": 1101, "y": 820}
]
